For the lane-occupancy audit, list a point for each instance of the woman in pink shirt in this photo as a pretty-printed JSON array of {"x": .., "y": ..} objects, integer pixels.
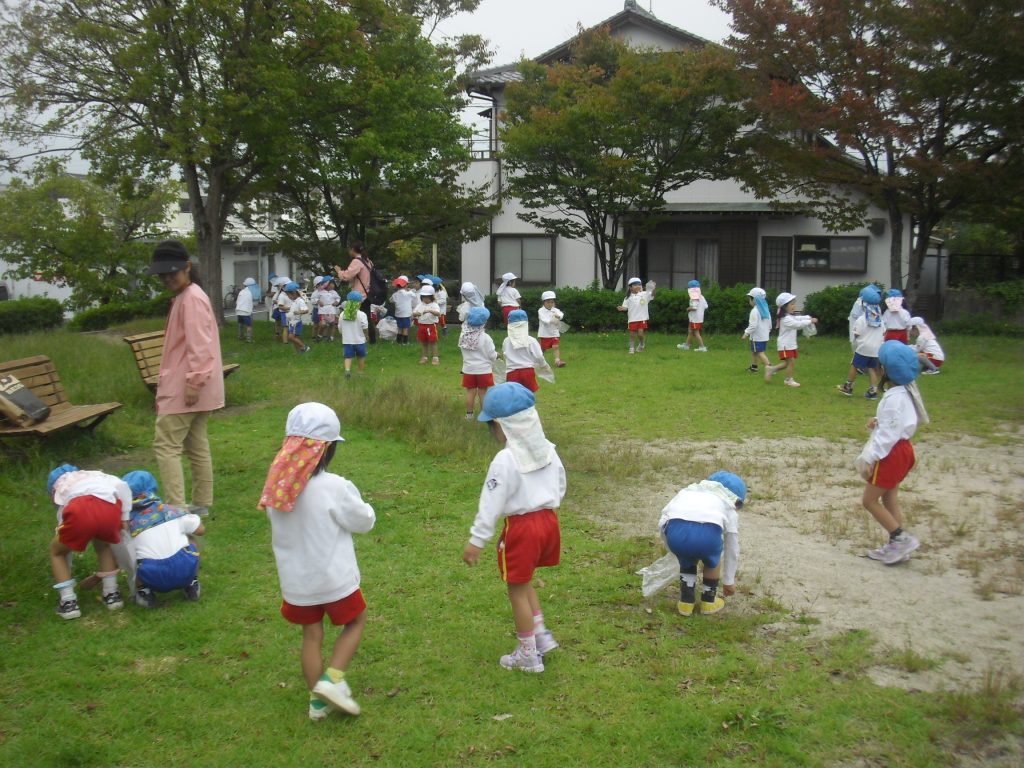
[
  {"x": 358, "y": 278},
  {"x": 191, "y": 383}
]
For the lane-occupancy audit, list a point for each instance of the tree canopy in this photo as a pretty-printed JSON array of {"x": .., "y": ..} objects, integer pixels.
[
  {"x": 917, "y": 104},
  {"x": 593, "y": 144}
]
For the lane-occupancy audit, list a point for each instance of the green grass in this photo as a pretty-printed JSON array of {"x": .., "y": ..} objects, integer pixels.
[{"x": 218, "y": 682}]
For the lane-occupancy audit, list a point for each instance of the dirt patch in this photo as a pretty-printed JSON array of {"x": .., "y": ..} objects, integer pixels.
[{"x": 950, "y": 617}]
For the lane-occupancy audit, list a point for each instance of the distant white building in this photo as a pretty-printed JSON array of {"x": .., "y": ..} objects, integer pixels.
[{"x": 711, "y": 230}]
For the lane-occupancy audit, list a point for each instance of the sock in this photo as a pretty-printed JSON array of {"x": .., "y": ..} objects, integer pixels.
[
  {"x": 896, "y": 534},
  {"x": 527, "y": 642},
  {"x": 109, "y": 581},
  {"x": 316, "y": 702},
  {"x": 538, "y": 623},
  {"x": 709, "y": 590},
  {"x": 66, "y": 590},
  {"x": 333, "y": 675}
]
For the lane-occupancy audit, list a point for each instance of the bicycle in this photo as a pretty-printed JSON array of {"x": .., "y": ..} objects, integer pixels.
[{"x": 231, "y": 295}]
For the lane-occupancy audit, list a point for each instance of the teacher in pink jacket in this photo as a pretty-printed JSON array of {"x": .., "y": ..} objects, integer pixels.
[{"x": 191, "y": 383}]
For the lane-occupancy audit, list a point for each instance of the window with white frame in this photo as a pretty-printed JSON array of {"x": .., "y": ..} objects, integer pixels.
[
  {"x": 531, "y": 257},
  {"x": 672, "y": 263}
]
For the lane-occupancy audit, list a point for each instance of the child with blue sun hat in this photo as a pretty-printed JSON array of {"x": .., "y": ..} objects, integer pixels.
[
  {"x": 868, "y": 335},
  {"x": 701, "y": 525},
  {"x": 896, "y": 317},
  {"x": 478, "y": 356},
  {"x": 524, "y": 359},
  {"x": 888, "y": 455}
]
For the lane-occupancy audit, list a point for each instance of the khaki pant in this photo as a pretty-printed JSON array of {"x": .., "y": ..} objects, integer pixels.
[{"x": 177, "y": 433}]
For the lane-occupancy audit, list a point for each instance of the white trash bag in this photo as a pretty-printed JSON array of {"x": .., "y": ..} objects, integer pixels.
[
  {"x": 659, "y": 574},
  {"x": 387, "y": 328}
]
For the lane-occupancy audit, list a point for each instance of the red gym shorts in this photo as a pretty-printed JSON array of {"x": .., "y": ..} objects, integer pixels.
[
  {"x": 340, "y": 612},
  {"x": 505, "y": 312},
  {"x": 898, "y": 335},
  {"x": 477, "y": 380},
  {"x": 86, "y": 518},
  {"x": 787, "y": 354},
  {"x": 933, "y": 361},
  {"x": 528, "y": 542},
  {"x": 426, "y": 332},
  {"x": 696, "y": 326},
  {"x": 547, "y": 342},
  {"x": 890, "y": 470},
  {"x": 525, "y": 376},
  {"x": 637, "y": 325}
]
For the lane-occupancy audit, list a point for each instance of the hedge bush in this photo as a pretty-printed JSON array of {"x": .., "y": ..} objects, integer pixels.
[
  {"x": 33, "y": 314},
  {"x": 832, "y": 307},
  {"x": 100, "y": 318}
]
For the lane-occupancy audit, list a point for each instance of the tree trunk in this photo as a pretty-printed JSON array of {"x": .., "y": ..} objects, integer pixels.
[
  {"x": 207, "y": 223},
  {"x": 895, "y": 245}
]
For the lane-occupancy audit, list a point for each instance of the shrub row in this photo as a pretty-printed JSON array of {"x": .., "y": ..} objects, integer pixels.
[
  {"x": 99, "y": 318},
  {"x": 34, "y": 314}
]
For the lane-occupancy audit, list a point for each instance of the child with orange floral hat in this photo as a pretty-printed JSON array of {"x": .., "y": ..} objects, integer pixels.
[{"x": 313, "y": 514}]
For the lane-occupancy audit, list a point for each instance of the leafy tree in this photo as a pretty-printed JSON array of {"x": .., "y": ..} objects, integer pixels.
[
  {"x": 916, "y": 104},
  {"x": 79, "y": 232},
  {"x": 593, "y": 144}
]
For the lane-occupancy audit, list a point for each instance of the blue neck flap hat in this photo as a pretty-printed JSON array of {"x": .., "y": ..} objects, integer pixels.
[
  {"x": 141, "y": 482},
  {"x": 506, "y": 400},
  {"x": 900, "y": 361},
  {"x": 478, "y": 316},
  {"x": 55, "y": 475},
  {"x": 517, "y": 316},
  {"x": 870, "y": 294},
  {"x": 733, "y": 482},
  {"x": 693, "y": 284}
]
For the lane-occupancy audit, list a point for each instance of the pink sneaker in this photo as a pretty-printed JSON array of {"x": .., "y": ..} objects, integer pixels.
[
  {"x": 792, "y": 383},
  {"x": 545, "y": 642},
  {"x": 560, "y": 364},
  {"x": 531, "y": 662}
]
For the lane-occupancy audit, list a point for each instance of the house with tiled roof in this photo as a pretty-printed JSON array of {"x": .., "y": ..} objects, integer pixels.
[{"x": 713, "y": 231}]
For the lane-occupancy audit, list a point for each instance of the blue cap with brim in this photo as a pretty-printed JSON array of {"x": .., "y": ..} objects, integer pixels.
[
  {"x": 141, "y": 482},
  {"x": 354, "y": 296},
  {"x": 900, "y": 361},
  {"x": 517, "y": 316},
  {"x": 870, "y": 294},
  {"x": 54, "y": 476},
  {"x": 693, "y": 284},
  {"x": 506, "y": 400},
  {"x": 289, "y": 287},
  {"x": 733, "y": 482},
  {"x": 478, "y": 316}
]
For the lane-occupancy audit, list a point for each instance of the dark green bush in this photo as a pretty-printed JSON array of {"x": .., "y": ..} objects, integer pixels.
[
  {"x": 1009, "y": 294},
  {"x": 99, "y": 318},
  {"x": 832, "y": 307},
  {"x": 33, "y": 314},
  {"x": 979, "y": 325}
]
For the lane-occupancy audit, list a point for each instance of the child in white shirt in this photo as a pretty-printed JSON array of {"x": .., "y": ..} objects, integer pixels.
[
  {"x": 695, "y": 316},
  {"x": 929, "y": 353},
  {"x": 404, "y": 300},
  {"x": 888, "y": 455},
  {"x": 478, "y": 356},
  {"x": 549, "y": 319},
  {"x": 328, "y": 300},
  {"x": 868, "y": 335},
  {"x": 313, "y": 514},
  {"x": 282, "y": 303},
  {"x": 700, "y": 525},
  {"x": 759, "y": 328},
  {"x": 788, "y": 325},
  {"x": 243, "y": 310},
  {"x": 298, "y": 310},
  {"x": 896, "y": 317},
  {"x": 635, "y": 305},
  {"x": 508, "y": 297},
  {"x": 522, "y": 353},
  {"x": 354, "y": 323},
  {"x": 524, "y": 487},
  {"x": 428, "y": 315},
  {"x": 441, "y": 294}
]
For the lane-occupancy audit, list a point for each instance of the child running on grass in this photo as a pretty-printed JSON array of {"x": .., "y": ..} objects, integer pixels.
[
  {"x": 759, "y": 328},
  {"x": 523, "y": 356},
  {"x": 354, "y": 324},
  {"x": 549, "y": 318},
  {"x": 427, "y": 314},
  {"x": 313, "y": 514},
  {"x": 700, "y": 525},
  {"x": 788, "y": 325},
  {"x": 868, "y": 335},
  {"x": 525, "y": 485},
  {"x": 636, "y": 306},
  {"x": 478, "y": 356},
  {"x": 695, "y": 316},
  {"x": 91, "y": 506},
  {"x": 298, "y": 310},
  {"x": 888, "y": 455}
]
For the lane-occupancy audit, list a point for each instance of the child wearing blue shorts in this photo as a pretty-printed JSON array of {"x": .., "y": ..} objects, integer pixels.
[
  {"x": 868, "y": 335},
  {"x": 759, "y": 328},
  {"x": 354, "y": 323},
  {"x": 701, "y": 524}
]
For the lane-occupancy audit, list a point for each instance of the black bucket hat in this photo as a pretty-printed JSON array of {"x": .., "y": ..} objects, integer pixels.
[{"x": 168, "y": 256}]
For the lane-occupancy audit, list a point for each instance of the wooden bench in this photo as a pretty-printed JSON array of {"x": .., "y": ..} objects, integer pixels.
[
  {"x": 40, "y": 375},
  {"x": 148, "y": 349}
]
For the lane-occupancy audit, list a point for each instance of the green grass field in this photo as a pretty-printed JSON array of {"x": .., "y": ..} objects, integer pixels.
[{"x": 218, "y": 683}]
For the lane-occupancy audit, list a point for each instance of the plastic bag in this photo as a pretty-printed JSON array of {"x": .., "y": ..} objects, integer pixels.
[
  {"x": 500, "y": 371},
  {"x": 387, "y": 328},
  {"x": 810, "y": 330},
  {"x": 659, "y": 574}
]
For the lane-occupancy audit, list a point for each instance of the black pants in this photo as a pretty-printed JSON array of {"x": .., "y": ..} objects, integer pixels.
[{"x": 372, "y": 330}]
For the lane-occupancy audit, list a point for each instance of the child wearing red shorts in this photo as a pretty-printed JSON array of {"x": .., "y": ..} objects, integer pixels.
[
  {"x": 549, "y": 326},
  {"x": 525, "y": 485},
  {"x": 91, "y": 506},
  {"x": 523, "y": 355},
  {"x": 478, "y": 356},
  {"x": 427, "y": 314},
  {"x": 635, "y": 305},
  {"x": 313, "y": 514},
  {"x": 888, "y": 456},
  {"x": 788, "y": 324}
]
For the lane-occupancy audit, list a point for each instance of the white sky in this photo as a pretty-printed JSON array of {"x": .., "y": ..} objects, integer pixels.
[{"x": 528, "y": 28}]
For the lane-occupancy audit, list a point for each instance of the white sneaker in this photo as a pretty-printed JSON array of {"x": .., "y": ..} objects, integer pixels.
[
  {"x": 527, "y": 662},
  {"x": 682, "y": 346},
  {"x": 545, "y": 642},
  {"x": 900, "y": 549},
  {"x": 338, "y": 694},
  {"x": 632, "y": 351},
  {"x": 792, "y": 383},
  {"x": 702, "y": 349}
]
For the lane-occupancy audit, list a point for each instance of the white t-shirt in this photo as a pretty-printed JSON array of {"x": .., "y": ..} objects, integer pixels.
[
  {"x": 696, "y": 313},
  {"x": 441, "y": 295},
  {"x": 529, "y": 356},
  {"x": 298, "y": 311},
  {"x": 316, "y": 558},
  {"x": 897, "y": 420},
  {"x": 328, "y": 302},
  {"x": 931, "y": 348},
  {"x": 509, "y": 297},
  {"x": 547, "y": 322},
  {"x": 479, "y": 361},
  {"x": 167, "y": 539},
  {"x": 702, "y": 507},
  {"x": 352, "y": 330},
  {"x": 243, "y": 302},
  {"x": 788, "y": 327},
  {"x": 867, "y": 339},
  {"x": 427, "y": 314},
  {"x": 88, "y": 482},
  {"x": 403, "y": 299},
  {"x": 636, "y": 306},
  {"x": 508, "y": 492},
  {"x": 896, "y": 321},
  {"x": 758, "y": 328}
]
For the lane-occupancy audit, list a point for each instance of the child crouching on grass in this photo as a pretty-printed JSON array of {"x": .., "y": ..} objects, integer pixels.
[
  {"x": 313, "y": 514},
  {"x": 888, "y": 456},
  {"x": 91, "y": 506},
  {"x": 700, "y": 525},
  {"x": 525, "y": 485}
]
